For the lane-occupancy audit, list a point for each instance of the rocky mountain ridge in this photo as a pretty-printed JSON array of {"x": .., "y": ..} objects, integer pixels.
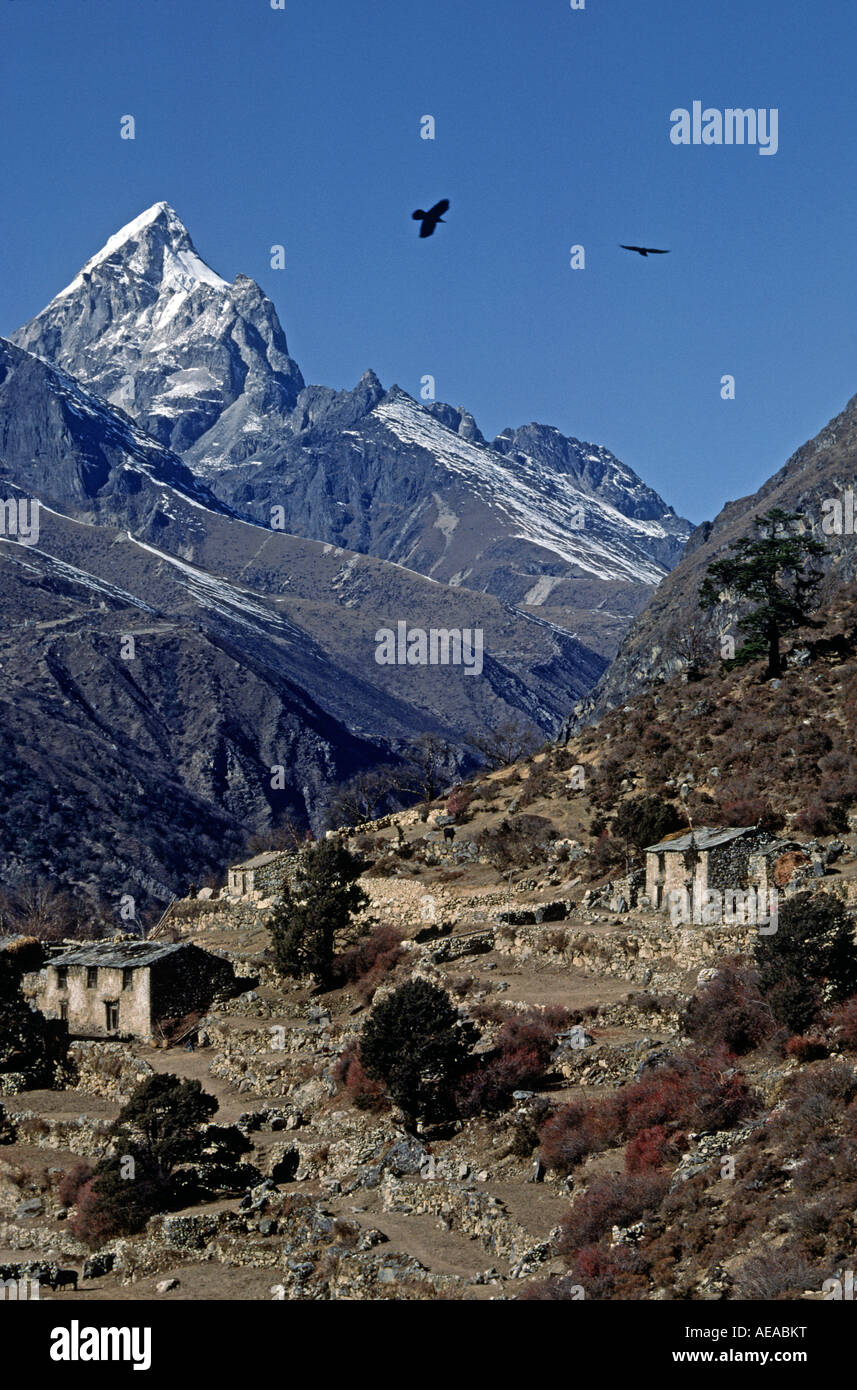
[
  {"x": 539, "y": 520},
  {"x": 162, "y": 658},
  {"x": 672, "y": 633}
]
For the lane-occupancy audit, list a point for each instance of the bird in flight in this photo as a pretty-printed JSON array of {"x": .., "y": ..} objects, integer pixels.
[
  {"x": 431, "y": 218},
  {"x": 644, "y": 250}
]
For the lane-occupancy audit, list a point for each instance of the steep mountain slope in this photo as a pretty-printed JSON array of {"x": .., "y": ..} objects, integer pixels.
[
  {"x": 61, "y": 442},
  {"x": 252, "y": 650},
  {"x": 137, "y": 744},
  {"x": 672, "y": 631},
  {"x": 147, "y": 703},
  {"x": 540, "y": 521}
]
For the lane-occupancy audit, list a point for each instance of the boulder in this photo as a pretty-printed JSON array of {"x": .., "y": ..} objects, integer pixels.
[
  {"x": 406, "y": 1156},
  {"x": 32, "y": 1207},
  {"x": 96, "y": 1266}
]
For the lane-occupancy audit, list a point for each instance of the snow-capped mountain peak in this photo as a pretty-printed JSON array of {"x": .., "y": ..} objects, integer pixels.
[
  {"x": 147, "y": 324},
  {"x": 576, "y": 501},
  {"x": 156, "y": 246},
  {"x": 538, "y": 519}
]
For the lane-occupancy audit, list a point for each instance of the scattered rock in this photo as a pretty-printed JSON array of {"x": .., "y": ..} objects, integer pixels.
[{"x": 32, "y": 1207}]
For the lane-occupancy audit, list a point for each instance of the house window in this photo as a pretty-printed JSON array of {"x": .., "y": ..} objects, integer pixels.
[
  {"x": 91, "y": 976},
  {"x": 127, "y": 977},
  {"x": 62, "y": 976},
  {"x": 111, "y": 1014},
  {"x": 64, "y": 1012}
]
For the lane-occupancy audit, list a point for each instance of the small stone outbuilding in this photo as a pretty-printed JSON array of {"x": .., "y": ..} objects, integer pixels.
[
  {"x": 124, "y": 989},
  {"x": 713, "y": 859},
  {"x": 261, "y": 876}
]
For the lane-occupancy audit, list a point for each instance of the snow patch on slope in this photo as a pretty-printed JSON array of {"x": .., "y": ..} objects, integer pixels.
[
  {"x": 218, "y": 595},
  {"x": 541, "y": 509},
  {"x": 51, "y": 565}
]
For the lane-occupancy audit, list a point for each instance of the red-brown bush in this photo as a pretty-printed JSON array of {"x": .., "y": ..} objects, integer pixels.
[
  {"x": 607, "y": 854},
  {"x": 559, "y": 1017},
  {"x": 775, "y": 1274},
  {"x": 820, "y": 818},
  {"x": 517, "y": 841},
  {"x": 458, "y": 801},
  {"x": 753, "y": 810},
  {"x": 844, "y": 1019},
  {"x": 367, "y": 962},
  {"x": 692, "y": 1092},
  {"x": 615, "y": 1273},
  {"x": 361, "y": 1090},
  {"x": 573, "y": 1133},
  {"x": 518, "y": 1059},
  {"x": 109, "y": 1205},
  {"x": 687, "y": 1093},
  {"x": 616, "y": 1199},
  {"x": 654, "y": 1148},
  {"x": 72, "y": 1181},
  {"x": 595, "y": 1273},
  {"x": 729, "y": 1011},
  {"x": 806, "y": 1049},
  {"x": 90, "y": 1223}
]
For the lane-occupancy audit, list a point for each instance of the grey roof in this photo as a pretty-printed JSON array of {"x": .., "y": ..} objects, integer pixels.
[
  {"x": 119, "y": 954},
  {"x": 259, "y": 860},
  {"x": 10, "y": 940},
  {"x": 704, "y": 837}
]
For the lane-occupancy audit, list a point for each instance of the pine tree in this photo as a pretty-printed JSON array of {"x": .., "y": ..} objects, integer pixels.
[
  {"x": 645, "y": 820},
  {"x": 29, "y": 1042},
  {"x": 769, "y": 570},
  {"x": 159, "y": 1122},
  {"x": 416, "y": 1044},
  {"x": 316, "y": 907},
  {"x": 157, "y": 1129}
]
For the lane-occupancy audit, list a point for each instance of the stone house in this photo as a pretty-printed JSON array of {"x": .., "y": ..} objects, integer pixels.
[
  {"x": 713, "y": 860},
  {"x": 124, "y": 989},
  {"x": 261, "y": 876}
]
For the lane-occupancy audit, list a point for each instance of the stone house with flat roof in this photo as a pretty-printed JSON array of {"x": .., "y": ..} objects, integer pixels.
[
  {"x": 124, "y": 989},
  {"x": 713, "y": 859},
  {"x": 261, "y": 876}
]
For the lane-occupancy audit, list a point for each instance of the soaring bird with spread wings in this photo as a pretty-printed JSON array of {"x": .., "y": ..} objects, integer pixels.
[
  {"x": 431, "y": 218},
  {"x": 644, "y": 250}
]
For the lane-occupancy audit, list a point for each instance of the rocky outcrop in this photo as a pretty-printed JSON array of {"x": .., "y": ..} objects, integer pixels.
[
  {"x": 544, "y": 522},
  {"x": 672, "y": 634}
]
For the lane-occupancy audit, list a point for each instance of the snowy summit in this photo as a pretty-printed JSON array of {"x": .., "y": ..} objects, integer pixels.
[
  {"x": 151, "y": 328},
  {"x": 158, "y": 228}
]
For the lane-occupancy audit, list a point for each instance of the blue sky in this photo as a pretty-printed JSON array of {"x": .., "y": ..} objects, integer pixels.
[{"x": 301, "y": 127}]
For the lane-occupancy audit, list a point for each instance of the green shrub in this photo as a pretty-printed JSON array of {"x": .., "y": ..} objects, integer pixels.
[
  {"x": 810, "y": 960},
  {"x": 416, "y": 1044},
  {"x": 314, "y": 908}
]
